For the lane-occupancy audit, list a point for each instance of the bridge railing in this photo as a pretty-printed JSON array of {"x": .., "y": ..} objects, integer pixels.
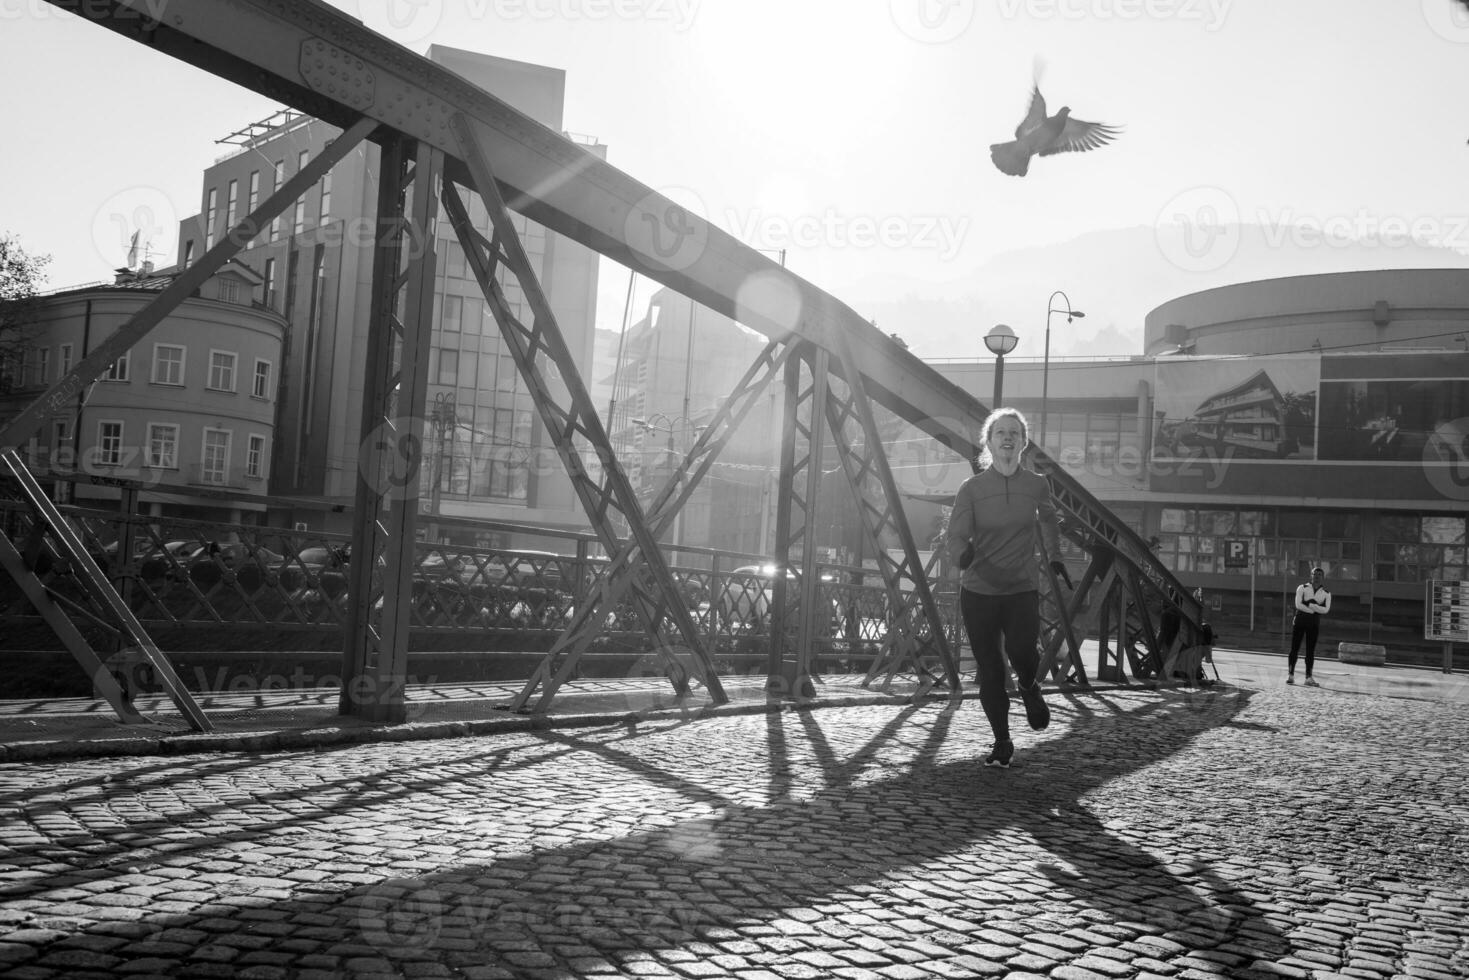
[{"x": 225, "y": 586}]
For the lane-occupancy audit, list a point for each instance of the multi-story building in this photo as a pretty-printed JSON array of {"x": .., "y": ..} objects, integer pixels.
[
  {"x": 673, "y": 370},
  {"x": 488, "y": 456},
  {"x": 1309, "y": 420},
  {"x": 190, "y": 408}
]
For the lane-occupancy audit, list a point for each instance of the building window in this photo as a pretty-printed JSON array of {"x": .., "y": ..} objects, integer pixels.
[
  {"x": 298, "y": 220},
  {"x": 1285, "y": 541},
  {"x": 254, "y": 200},
  {"x": 214, "y": 466},
  {"x": 117, "y": 370},
  {"x": 280, "y": 178},
  {"x": 231, "y": 202},
  {"x": 448, "y": 367},
  {"x": 221, "y": 370},
  {"x": 326, "y": 196},
  {"x": 168, "y": 364},
  {"x": 188, "y": 253},
  {"x": 255, "y": 456},
  {"x": 229, "y": 290},
  {"x": 163, "y": 446},
  {"x": 64, "y": 368},
  {"x": 270, "y": 283},
  {"x": 109, "y": 443},
  {"x": 453, "y": 313},
  {"x": 211, "y": 217},
  {"x": 1419, "y": 548},
  {"x": 61, "y": 439},
  {"x": 260, "y": 386},
  {"x": 38, "y": 365}
]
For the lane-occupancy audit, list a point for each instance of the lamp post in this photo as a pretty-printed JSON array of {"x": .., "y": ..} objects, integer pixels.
[
  {"x": 445, "y": 418},
  {"x": 1001, "y": 340},
  {"x": 1046, "y": 366}
]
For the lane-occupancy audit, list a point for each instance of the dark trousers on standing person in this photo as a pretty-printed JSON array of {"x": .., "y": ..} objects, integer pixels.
[
  {"x": 1307, "y": 625},
  {"x": 988, "y": 619}
]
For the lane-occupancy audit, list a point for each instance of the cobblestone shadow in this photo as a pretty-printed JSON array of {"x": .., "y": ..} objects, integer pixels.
[{"x": 826, "y": 824}]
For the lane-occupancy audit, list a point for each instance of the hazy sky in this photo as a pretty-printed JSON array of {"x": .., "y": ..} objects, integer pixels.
[{"x": 854, "y": 134}]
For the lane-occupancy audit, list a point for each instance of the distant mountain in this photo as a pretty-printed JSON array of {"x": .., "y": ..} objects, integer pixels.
[{"x": 1116, "y": 277}]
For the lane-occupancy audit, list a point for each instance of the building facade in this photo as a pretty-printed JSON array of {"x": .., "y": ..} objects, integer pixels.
[
  {"x": 488, "y": 456},
  {"x": 191, "y": 410},
  {"x": 1311, "y": 420}
]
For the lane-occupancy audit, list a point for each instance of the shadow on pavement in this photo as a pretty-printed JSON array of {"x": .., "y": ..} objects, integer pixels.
[{"x": 963, "y": 839}]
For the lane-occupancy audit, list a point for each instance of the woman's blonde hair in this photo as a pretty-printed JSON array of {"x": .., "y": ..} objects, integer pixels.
[{"x": 985, "y": 459}]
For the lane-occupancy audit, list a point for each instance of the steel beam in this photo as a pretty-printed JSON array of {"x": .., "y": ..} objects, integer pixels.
[{"x": 386, "y": 497}]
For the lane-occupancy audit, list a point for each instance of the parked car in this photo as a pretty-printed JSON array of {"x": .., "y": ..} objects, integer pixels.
[{"x": 747, "y": 594}]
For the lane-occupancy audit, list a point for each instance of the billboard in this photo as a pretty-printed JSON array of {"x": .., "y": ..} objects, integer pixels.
[
  {"x": 1255, "y": 408},
  {"x": 1395, "y": 408}
]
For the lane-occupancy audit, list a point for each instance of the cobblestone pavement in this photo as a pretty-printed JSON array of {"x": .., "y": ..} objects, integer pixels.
[{"x": 1266, "y": 831}]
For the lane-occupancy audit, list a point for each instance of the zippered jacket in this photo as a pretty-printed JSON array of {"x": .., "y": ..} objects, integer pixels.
[{"x": 998, "y": 514}]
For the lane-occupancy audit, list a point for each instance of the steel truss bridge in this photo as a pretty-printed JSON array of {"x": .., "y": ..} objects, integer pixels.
[{"x": 442, "y": 139}]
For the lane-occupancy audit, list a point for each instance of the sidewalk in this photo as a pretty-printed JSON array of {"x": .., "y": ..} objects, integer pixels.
[{"x": 272, "y": 720}]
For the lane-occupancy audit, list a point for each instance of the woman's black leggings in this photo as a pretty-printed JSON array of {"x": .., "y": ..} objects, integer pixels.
[{"x": 988, "y": 619}]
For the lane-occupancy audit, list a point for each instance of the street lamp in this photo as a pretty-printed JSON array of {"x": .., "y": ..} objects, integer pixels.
[
  {"x": 1046, "y": 368},
  {"x": 1001, "y": 340}
]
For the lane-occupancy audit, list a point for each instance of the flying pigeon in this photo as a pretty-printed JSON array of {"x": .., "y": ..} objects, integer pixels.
[{"x": 1042, "y": 135}]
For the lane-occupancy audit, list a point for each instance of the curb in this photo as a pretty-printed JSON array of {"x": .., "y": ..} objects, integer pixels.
[{"x": 315, "y": 739}]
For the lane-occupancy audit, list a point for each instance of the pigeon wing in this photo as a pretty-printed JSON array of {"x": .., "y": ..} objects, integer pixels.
[
  {"x": 1080, "y": 135},
  {"x": 1034, "y": 116}
]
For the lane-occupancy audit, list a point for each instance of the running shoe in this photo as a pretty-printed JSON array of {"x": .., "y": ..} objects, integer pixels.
[
  {"x": 1290, "y": 678},
  {"x": 1311, "y": 681},
  {"x": 1001, "y": 754},
  {"x": 1037, "y": 713}
]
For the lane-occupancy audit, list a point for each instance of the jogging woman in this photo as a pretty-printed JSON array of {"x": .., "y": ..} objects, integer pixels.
[{"x": 995, "y": 516}]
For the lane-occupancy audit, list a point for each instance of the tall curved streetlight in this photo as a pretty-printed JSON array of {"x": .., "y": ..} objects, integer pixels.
[
  {"x": 1001, "y": 340},
  {"x": 1046, "y": 367}
]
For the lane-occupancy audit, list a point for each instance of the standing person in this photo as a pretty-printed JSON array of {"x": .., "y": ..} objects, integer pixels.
[
  {"x": 1312, "y": 602},
  {"x": 995, "y": 518}
]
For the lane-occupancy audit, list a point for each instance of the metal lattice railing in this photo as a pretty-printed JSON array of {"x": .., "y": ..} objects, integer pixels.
[{"x": 183, "y": 576}]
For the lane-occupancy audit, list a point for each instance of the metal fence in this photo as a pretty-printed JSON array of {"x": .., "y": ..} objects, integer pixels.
[{"x": 205, "y": 583}]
